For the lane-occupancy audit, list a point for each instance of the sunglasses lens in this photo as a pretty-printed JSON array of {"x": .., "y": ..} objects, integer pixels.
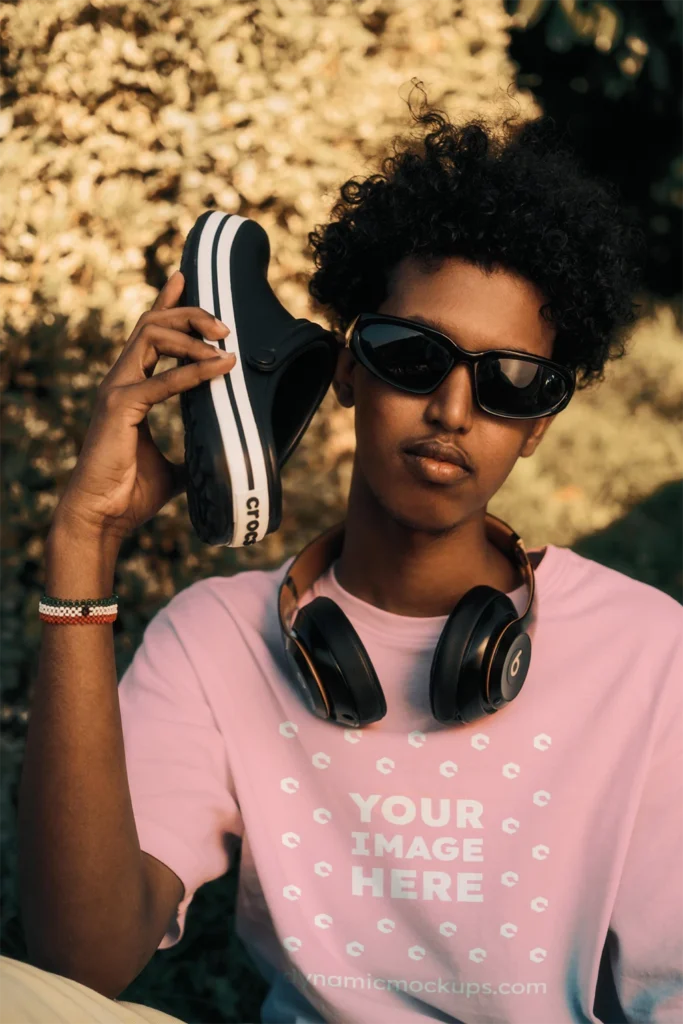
[
  {"x": 404, "y": 357},
  {"x": 511, "y": 386},
  {"x": 519, "y": 387}
]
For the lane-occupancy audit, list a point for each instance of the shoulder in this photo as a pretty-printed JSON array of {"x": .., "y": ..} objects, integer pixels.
[
  {"x": 611, "y": 593},
  {"x": 247, "y": 596}
]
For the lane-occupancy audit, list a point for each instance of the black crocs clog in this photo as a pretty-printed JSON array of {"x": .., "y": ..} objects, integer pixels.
[{"x": 241, "y": 428}]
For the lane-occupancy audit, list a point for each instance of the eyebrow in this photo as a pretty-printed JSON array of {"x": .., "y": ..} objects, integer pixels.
[{"x": 439, "y": 325}]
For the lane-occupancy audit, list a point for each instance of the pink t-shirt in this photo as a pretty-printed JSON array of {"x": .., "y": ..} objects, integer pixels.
[{"x": 411, "y": 870}]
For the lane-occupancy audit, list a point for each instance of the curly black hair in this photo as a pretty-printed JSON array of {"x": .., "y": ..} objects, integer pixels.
[{"x": 511, "y": 196}]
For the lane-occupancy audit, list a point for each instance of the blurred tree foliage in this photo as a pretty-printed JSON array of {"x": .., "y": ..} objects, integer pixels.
[{"x": 610, "y": 73}]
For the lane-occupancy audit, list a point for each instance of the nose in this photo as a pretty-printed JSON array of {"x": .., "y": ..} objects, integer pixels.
[{"x": 452, "y": 404}]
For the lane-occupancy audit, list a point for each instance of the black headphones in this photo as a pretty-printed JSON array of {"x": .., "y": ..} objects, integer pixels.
[{"x": 479, "y": 665}]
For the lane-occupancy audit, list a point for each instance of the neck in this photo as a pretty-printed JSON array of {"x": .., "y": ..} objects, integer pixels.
[{"x": 409, "y": 572}]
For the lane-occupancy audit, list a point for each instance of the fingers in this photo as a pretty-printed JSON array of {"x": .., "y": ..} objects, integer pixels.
[
  {"x": 171, "y": 382},
  {"x": 157, "y": 337},
  {"x": 167, "y": 298}
]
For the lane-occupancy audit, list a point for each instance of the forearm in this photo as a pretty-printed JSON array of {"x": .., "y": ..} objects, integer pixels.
[{"x": 82, "y": 882}]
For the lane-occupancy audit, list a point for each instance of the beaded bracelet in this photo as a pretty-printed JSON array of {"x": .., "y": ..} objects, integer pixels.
[{"x": 67, "y": 612}]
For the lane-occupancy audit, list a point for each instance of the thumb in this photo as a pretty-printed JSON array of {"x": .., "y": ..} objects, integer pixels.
[
  {"x": 163, "y": 479},
  {"x": 176, "y": 474}
]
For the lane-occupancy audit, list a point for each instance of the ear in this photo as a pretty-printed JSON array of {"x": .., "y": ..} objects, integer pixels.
[
  {"x": 536, "y": 436},
  {"x": 342, "y": 381}
]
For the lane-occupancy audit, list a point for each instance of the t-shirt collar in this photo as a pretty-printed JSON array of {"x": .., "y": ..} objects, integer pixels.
[{"x": 409, "y": 631}]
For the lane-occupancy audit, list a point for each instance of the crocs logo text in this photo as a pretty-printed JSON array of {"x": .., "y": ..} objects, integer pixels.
[{"x": 252, "y": 525}]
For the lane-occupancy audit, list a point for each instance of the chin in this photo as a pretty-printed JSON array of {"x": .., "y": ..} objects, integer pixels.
[{"x": 424, "y": 514}]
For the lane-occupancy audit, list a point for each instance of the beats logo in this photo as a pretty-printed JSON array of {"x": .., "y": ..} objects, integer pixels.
[{"x": 252, "y": 525}]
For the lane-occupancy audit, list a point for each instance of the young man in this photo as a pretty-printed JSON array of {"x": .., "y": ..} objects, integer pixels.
[{"x": 524, "y": 867}]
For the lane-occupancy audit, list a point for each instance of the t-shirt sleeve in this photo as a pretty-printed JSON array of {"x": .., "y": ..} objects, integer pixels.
[
  {"x": 185, "y": 808},
  {"x": 648, "y": 913}
]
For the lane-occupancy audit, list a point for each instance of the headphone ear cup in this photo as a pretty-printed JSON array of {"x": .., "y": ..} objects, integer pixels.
[
  {"x": 460, "y": 662},
  {"x": 347, "y": 675}
]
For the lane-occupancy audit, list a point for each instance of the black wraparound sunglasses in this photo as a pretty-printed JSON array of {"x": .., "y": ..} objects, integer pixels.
[{"x": 417, "y": 359}]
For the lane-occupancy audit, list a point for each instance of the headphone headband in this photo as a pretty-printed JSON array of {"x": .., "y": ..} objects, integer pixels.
[{"x": 322, "y": 551}]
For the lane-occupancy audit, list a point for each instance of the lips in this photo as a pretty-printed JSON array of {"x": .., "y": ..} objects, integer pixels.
[{"x": 440, "y": 452}]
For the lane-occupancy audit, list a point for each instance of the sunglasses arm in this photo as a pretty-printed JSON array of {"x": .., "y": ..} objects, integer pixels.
[{"x": 348, "y": 334}]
